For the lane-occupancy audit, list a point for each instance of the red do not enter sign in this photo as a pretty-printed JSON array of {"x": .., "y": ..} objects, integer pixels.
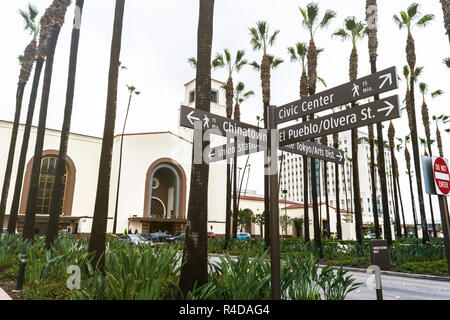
[{"x": 441, "y": 176}]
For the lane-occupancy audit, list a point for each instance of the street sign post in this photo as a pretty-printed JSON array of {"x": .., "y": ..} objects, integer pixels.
[
  {"x": 316, "y": 150},
  {"x": 377, "y": 111},
  {"x": 226, "y": 126},
  {"x": 364, "y": 87},
  {"x": 379, "y": 253}
]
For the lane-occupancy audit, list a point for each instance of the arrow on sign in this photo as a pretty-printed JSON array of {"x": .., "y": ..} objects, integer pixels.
[
  {"x": 339, "y": 155},
  {"x": 315, "y": 150},
  {"x": 387, "y": 76},
  {"x": 190, "y": 117},
  {"x": 389, "y": 107}
]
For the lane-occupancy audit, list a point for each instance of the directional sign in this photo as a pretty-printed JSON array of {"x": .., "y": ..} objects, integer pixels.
[
  {"x": 226, "y": 126},
  {"x": 441, "y": 176},
  {"x": 365, "y": 87},
  {"x": 227, "y": 151},
  {"x": 315, "y": 150},
  {"x": 377, "y": 111}
]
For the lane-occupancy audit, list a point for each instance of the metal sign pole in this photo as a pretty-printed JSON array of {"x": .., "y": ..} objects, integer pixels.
[
  {"x": 445, "y": 226},
  {"x": 274, "y": 210}
]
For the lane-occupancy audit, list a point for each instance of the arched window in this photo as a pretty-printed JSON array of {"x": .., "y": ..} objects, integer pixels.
[{"x": 46, "y": 183}]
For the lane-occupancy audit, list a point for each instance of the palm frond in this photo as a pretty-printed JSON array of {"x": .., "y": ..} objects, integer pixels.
[
  {"x": 329, "y": 14},
  {"x": 273, "y": 37},
  {"x": 437, "y": 93},
  {"x": 340, "y": 33},
  {"x": 446, "y": 61},
  {"x": 292, "y": 54},
  {"x": 412, "y": 10},
  {"x": 255, "y": 65},
  {"x": 321, "y": 81},
  {"x": 398, "y": 21},
  {"x": 423, "y": 87},
  {"x": 192, "y": 62},
  {"x": 418, "y": 72},
  {"x": 425, "y": 20}
]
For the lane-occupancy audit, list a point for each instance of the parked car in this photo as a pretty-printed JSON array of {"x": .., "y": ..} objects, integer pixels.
[
  {"x": 211, "y": 235},
  {"x": 176, "y": 238},
  {"x": 370, "y": 236},
  {"x": 155, "y": 237},
  {"x": 243, "y": 236},
  {"x": 133, "y": 239}
]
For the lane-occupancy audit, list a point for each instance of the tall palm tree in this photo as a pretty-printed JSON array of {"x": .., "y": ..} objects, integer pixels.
[
  {"x": 337, "y": 187},
  {"x": 354, "y": 30},
  {"x": 324, "y": 141},
  {"x": 310, "y": 20},
  {"x": 99, "y": 223},
  {"x": 240, "y": 96},
  {"x": 396, "y": 181},
  {"x": 262, "y": 39},
  {"x": 373, "y": 179},
  {"x": 437, "y": 119},
  {"x": 58, "y": 187},
  {"x": 225, "y": 60},
  {"x": 58, "y": 11},
  {"x": 44, "y": 32},
  {"x": 132, "y": 91},
  {"x": 26, "y": 66},
  {"x": 194, "y": 271},
  {"x": 407, "y": 19},
  {"x": 404, "y": 144},
  {"x": 298, "y": 54},
  {"x": 446, "y": 11},
  {"x": 391, "y": 137},
  {"x": 372, "y": 33}
]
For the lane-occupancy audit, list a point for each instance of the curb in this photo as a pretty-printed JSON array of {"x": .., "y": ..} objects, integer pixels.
[
  {"x": 385, "y": 272},
  {"x": 4, "y": 295}
]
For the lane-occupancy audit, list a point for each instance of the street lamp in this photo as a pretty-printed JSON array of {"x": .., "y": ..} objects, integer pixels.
[
  {"x": 21, "y": 275},
  {"x": 285, "y": 212}
]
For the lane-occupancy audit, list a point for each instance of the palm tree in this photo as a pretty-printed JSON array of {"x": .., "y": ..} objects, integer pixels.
[
  {"x": 324, "y": 141},
  {"x": 99, "y": 223},
  {"x": 373, "y": 178},
  {"x": 310, "y": 20},
  {"x": 337, "y": 187},
  {"x": 354, "y": 30},
  {"x": 391, "y": 136},
  {"x": 396, "y": 181},
  {"x": 239, "y": 96},
  {"x": 225, "y": 61},
  {"x": 194, "y": 271},
  {"x": 442, "y": 118},
  {"x": 262, "y": 39},
  {"x": 42, "y": 52},
  {"x": 404, "y": 144},
  {"x": 58, "y": 11},
  {"x": 58, "y": 188},
  {"x": 26, "y": 66},
  {"x": 446, "y": 11},
  {"x": 372, "y": 33},
  {"x": 132, "y": 91},
  {"x": 407, "y": 19}
]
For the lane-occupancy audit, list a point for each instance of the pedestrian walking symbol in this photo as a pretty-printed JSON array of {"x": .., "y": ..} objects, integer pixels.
[{"x": 355, "y": 90}]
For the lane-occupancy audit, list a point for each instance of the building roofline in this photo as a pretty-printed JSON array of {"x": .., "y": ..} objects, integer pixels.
[{"x": 189, "y": 82}]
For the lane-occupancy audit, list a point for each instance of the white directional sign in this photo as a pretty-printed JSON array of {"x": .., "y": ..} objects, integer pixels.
[
  {"x": 374, "y": 112},
  {"x": 364, "y": 87},
  {"x": 226, "y": 126},
  {"x": 315, "y": 150},
  {"x": 227, "y": 151}
]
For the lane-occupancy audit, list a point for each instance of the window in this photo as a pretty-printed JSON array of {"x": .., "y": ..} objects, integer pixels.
[
  {"x": 46, "y": 183},
  {"x": 214, "y": 96},
  {"x": 191, "y": 96}
]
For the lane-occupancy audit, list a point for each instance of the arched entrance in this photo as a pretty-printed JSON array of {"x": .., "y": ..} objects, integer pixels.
[
  {"x": 248, "y": 226},
  {"x": 165, "y": 197}
]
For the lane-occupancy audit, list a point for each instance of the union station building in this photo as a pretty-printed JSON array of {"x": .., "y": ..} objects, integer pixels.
[{"x": 154, "y": 186}]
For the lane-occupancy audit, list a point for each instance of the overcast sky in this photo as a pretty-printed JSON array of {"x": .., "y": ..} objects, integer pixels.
[{"x": 159, "y": 36}]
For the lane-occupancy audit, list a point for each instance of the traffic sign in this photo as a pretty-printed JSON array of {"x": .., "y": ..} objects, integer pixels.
[
  {"x": 441, "y": 176},
  {"x": 225, "y": 126},
  {"x": 227, "y": 151},
  {"x": 373, "y": 112},
  {"x": 364, "y": 87},
  {"x": 316, "y": 150}
]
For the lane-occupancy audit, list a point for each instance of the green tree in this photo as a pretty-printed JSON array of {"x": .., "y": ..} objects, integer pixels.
[
  {"x": 259, "y": 220},
  {"x": 354, "y": 30},
  {"x": 244, "y": 217},
  {"x": 26, "y": 65},
  {"x": 58, "y": 187},
  {"x": 194, "y": 271},
  {"x": 285, "y": 222},
  {"x": 56, "y": 20},
  {"x": 408, "y": 20},
  {"x": 99, "y": 223}
]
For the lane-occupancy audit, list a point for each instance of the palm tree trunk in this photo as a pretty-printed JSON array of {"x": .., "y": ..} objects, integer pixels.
[
  {"x": 99, "y": 223},
  {"x": 29, "y": 224},
  {"x": 413, "y": 204},
  {"x": 195, "y": 255},
  {"x": 58, "y": 188},
  {"x": 401, "y": 205},
  {"x": 396, "y": 205},
  {"x": 23, "y": 151},
  {"x": 12, "y": 147},
  {"x": 327, "y": 206},
  {"x": 306, "y": 196},
  {"x": 235, "y": 183},
  {"x": 415, "y": 145},
  {"x": 374, "y": 183},
  {"x": 337, "y": 185},
  {"x": 446, "y": 11}
]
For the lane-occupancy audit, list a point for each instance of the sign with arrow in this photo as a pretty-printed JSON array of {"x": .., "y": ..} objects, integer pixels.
[
  {"x": 316, "y": 150},
  {"x": 227, "y": 151},
  {"x": 373, "y": 112},
  {"x": 364, "y": 87},
  {"x": 226, "y": 126}
]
